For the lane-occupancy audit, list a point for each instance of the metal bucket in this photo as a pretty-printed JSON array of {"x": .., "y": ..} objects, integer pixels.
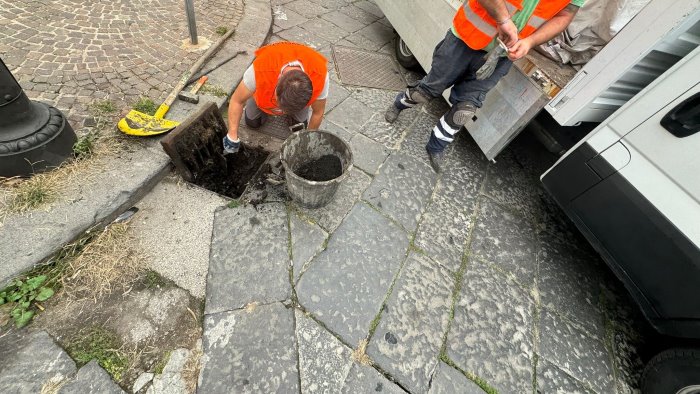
[{"x": 306, "y": 146}]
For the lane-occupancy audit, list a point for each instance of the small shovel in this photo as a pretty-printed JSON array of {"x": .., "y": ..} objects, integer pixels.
[{"x": 144, "y": 125}]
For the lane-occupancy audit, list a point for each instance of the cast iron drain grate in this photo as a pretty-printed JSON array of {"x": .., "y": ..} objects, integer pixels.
[
  {"x": 369, "y": 69},
  {"x": 276, "y": 126}
]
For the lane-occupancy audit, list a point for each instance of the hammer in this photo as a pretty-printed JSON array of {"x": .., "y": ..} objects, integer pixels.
[{"x": 192, "y": 96}]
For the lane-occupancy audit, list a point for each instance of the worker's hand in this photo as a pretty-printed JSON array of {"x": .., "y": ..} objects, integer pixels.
[
  {"x": 231, "y": 146},
  {"x": 508, "y": 33},
  {"x": 520, "y": 49}
]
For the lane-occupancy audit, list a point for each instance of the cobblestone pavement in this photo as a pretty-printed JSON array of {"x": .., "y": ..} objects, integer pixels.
[
  {"x": 469, "y": 280},
  {"x": 70, "y": 53}
]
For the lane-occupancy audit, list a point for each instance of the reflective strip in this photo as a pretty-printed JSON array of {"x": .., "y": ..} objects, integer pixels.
[
  {"x": 535, "y": 21},
  {"x": 449, "y": 130},
  {"x": 407, "y": 102},
  {"x": 440, "y": 136},
  {"x": 479, "y": 23}
]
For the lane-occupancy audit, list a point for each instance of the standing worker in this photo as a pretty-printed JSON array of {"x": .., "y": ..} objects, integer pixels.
[
  {"x": 285, "y": 78},
  {"x": 471, "y": 60}
]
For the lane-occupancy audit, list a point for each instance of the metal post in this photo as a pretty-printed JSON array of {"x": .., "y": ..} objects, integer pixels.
[
  {"x": 33, "y": 136},
  {"x": 191, "y": 24}
]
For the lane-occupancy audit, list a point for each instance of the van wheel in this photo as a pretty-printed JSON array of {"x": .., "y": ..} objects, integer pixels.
[
  {"x": 673, "y": 371},
  {"x": 404, "y": 55}
]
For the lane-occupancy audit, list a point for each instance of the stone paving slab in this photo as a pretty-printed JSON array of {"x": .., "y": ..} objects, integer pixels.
[
  {"x": 364, "y": 379},
  {"x": 351, "y": 115},
  {"x": 113, "y": 187},
  {"x": 367, "y": 154},
  {"x": 551, "y": 379},
  {"x": 448, "y": 380},
  {"x": 568, "y": 283},
  {"x": 402, "y": 189},
  {"x": 491, "y": 335},
  {"x": 417, "y": 135},
  {"x": 388, "y": 134},
  {"x": 505, "y": 240},
  {"x": 345, "y": 285},
  {"x": 580, "y": 355},
  {"x": 377, "y": 99},
  {"x": 408, "y": 339},
  {"x": 324, "y": 362},
  {"x": 31, "y": 361},
  {"x": 307, "y": 8},
  {"x": 330, "y": 216},
  {"x": 359, "y": 14},
  {"x": 343, "y": 21},
  {"x": 286, "y": 18},
  {"x": 173, "y": 226},
  {"x": 378, "y": 33},
  {"x": 337, "y": 130},
  {"x": 324, "y": 29},
  {"x": 336, "y": 93},
  {"x": 250, "y": 351},
  {"x": 509, "y": 185},
  {"x": 91, "y": 378},
  {"x": 248, "y": 247},
  {"x": 464, "y": 174},
  {"x": 443, "y": 231},
  {"x": 307, "y": 240},
  {"x": 297, "y": 34}
]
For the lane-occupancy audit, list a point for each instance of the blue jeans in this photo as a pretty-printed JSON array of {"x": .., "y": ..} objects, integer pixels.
[{"x": 455, "y": 64}]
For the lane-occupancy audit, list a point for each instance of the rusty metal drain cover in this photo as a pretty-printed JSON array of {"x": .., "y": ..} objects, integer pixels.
[{"x": 369, "y": 69}]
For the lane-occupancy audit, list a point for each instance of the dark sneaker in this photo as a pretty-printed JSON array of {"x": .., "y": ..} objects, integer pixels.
[
  {"x": 255, "y": 123},
  {"x": 436, "y": 160},
  {"x": 392, "y": 113}
]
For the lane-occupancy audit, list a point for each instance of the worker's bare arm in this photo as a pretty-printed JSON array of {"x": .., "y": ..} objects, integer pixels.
[
  {"x": 546, "y": 32},
  {"x": 235, "y": 109},
  {"x": 317, "y": 109}
]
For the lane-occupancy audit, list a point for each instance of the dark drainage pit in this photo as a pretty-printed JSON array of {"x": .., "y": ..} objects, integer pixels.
[
  {"x": 195, "y": 149},
  {"x": 231, "y": 180}
]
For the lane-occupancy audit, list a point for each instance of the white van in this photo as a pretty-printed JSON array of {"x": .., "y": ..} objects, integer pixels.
[{"x": 632, "y": 185}]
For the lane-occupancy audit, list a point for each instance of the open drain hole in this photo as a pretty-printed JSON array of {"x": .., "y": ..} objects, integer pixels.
[
  {"x": 232, "y": 180},
  {"x": 195, "y": 148}
]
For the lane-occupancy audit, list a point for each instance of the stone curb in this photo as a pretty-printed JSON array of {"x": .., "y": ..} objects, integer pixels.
[{"x": 29, "y": 240}]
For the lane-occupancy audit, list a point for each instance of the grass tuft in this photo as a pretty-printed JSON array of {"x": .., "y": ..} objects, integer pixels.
[
  {"x": 101, "y": 345},
  {"x": 214, "y": 90},
  {"x": 160, "y": 365},
  {"x": 233, "y": 204},
  {"x": 37, "y": 191},
  {"x": 146, "y": 105},
  {"x": 221, "y": 30},
  {"x": 155, "y": 280},
  {"x": 107, "y": 263},
  {"x": 103, "y": 107},
  {"x": 85, "y": 146}
]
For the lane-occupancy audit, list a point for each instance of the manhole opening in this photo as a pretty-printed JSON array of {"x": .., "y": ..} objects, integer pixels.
[
  {"x": 231, "y": 180},
  {"x": 195, "y": 149}
]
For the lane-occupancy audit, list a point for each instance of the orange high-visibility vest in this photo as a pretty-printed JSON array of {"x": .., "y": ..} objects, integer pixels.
[
  {"x": 268, "y": 63},
  {"x": 476, "y": 28}
]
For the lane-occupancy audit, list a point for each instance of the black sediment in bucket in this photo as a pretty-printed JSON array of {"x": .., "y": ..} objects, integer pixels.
[{"x": 322, "y": 157}]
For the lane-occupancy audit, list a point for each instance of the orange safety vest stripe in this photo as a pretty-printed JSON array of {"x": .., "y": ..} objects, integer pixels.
[
  {"x": 476, "y": 28},
  {"x": 268, "y": 64}
]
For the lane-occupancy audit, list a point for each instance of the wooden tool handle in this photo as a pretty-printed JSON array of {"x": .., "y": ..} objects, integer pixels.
[{"x": 199, "y": 84}]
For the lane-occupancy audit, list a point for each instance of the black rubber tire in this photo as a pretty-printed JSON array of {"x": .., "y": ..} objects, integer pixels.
[
  {"x": 406, "y": 60},
  {"x": 672, "y": 370}
]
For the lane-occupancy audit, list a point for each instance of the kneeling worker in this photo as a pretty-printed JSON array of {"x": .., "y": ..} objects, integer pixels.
[
  {"x": 458, "y": 60},
  {"x": 285, "y": 78}
]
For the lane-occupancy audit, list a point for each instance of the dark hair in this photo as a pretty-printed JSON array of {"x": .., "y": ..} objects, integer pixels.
[{"x": 293, "y": 91}]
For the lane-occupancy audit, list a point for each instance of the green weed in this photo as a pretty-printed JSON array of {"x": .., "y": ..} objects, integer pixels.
[
  {"x": 233, "y": 204},
  {"x": 21, "y": 294},
  {"x": 103, "y": 107},
  {"x": 39, "y": 190},
  {"x": 221, "y": 30},
  {"x": 154, "y": 280},
  {"x": 160, "y": 365},
  {"x": 214, "y": 90},
  {"x": 101, "y": 345},
  {"x": 146, "y": 106},
  {"x": 85, "y": 146}
]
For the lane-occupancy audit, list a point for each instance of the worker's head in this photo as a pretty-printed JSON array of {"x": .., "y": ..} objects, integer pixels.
[{"x": 293, "y": 91}]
